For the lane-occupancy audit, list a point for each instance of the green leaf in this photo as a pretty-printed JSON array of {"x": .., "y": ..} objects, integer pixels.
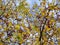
[{"x": 1, "y": 12}]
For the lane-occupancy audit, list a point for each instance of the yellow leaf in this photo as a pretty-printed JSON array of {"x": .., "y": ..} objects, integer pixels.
[
  {"x": 47, "y": 28},
  {"x": 20, "y": 38},
  {"x": 0, "y": 26},
  {"x": 52, "y": 43},
  {"x": 27, "y": 30},
  {"x": 52, "y": 20},
  {"x": 45, "y": 43},
  {"x": 1, "y": 43},
  {"x": 10, "y": 24},
  {"x": 5, "y": 28},
  {"x": 17, "y": 27}
]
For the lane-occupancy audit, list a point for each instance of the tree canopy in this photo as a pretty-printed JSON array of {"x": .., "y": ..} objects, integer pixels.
[{"x": 22, "y": 25}]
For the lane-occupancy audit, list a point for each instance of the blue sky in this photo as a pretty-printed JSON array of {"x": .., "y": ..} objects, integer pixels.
[{"x": 31, "y": 2}]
